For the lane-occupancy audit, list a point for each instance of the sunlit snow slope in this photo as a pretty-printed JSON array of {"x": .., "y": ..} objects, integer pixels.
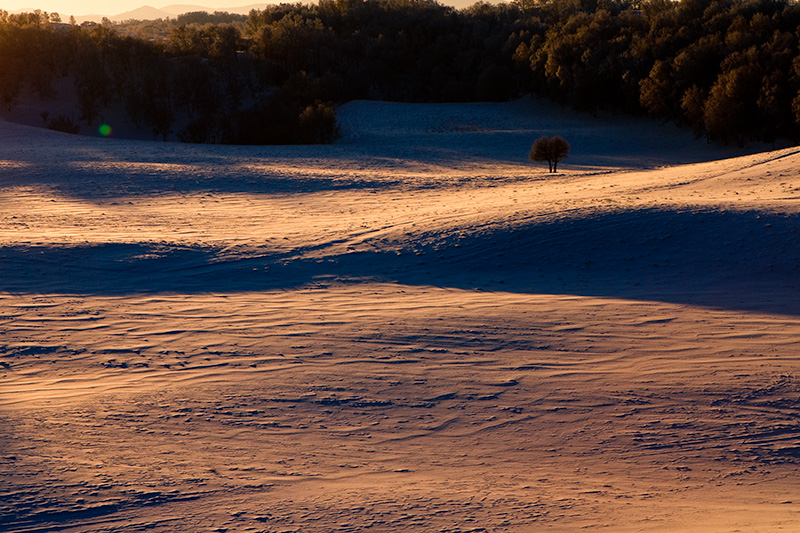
[{"x": 413, "y": 329}]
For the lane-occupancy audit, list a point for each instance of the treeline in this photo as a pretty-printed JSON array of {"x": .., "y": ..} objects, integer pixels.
[
  {"x": 199, "y": 83},
  {"x": 728, "y": 69}
]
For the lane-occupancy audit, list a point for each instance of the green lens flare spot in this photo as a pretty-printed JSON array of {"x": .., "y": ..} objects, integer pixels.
[{"x": 104, "y": 130}]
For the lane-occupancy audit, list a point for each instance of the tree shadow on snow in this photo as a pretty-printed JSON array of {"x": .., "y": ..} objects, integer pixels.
[{"x": 740, "y": 260}]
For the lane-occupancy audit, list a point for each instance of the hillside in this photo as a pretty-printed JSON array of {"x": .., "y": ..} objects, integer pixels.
[
  {"x": 147, "y": 12},
  {"x": 170, "y": 11},
  {"x": 412, "y": 329}
]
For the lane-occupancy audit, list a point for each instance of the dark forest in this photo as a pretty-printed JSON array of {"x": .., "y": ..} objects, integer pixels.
[{"x": 729, "y": 70}]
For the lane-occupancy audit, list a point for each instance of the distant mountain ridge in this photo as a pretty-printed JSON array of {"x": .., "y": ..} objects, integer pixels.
[
  {"x": 173, "y": 10},
  {"x": 170, "y": 11}
]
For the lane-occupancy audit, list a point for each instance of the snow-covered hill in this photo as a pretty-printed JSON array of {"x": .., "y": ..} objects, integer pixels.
[{"x": 413, "y": 329}]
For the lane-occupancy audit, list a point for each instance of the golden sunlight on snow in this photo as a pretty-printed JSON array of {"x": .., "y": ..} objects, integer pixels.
[{"x": 405, "y": 331}]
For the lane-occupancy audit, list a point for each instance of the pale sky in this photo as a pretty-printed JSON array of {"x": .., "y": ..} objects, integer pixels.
[
  {"x": 90, "y": 7},
  {"x": 65, "y": 8}
]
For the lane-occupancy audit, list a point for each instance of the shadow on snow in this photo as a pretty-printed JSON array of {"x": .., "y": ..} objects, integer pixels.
[{"x": 741, "y": 260}]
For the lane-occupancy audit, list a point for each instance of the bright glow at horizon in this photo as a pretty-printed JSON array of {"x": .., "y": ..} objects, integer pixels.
[{"x": 79, "y": 8}]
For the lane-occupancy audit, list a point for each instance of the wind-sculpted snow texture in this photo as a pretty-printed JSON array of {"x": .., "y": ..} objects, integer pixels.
[{"x": 413, "y": 329}]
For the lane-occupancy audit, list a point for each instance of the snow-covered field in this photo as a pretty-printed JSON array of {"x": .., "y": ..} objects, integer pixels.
[{"x": 414, "y": 329}]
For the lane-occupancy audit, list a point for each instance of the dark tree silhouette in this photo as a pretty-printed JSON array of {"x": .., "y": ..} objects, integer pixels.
[
  {"x": 729, "y": 70},
  {"x": 552, "y": 150},
  {"x": 62, "y": 123}
]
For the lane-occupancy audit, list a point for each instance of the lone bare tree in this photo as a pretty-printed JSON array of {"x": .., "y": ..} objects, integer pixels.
[{"x": 552, "y": 150}]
